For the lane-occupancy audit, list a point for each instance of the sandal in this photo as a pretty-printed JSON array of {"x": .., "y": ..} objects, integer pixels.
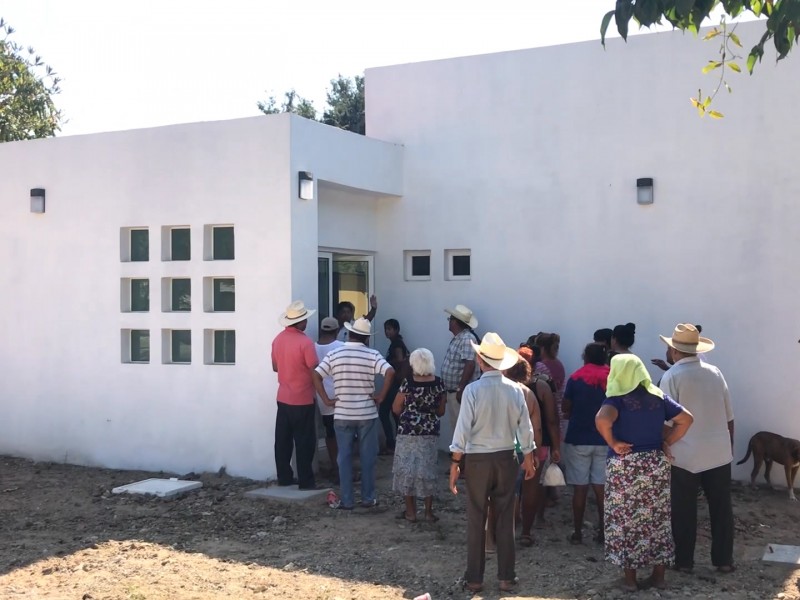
[
  {"x": 575, "y": 539},
  {"x": 508, "y": 585},
  {"x": 526, "y": 540},
  {"x": 725, "y": 569},
  {"x": 475, "y": 588}
]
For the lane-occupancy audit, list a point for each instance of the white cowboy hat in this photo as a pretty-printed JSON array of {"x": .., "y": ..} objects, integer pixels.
[
  {"x": 463, "y": 314},
  {"x": 493, "y": 350},
  {"x": 295, "y": 313},
  {"x": 687, "y": 339},
  {"x": 361, "y": 326}
]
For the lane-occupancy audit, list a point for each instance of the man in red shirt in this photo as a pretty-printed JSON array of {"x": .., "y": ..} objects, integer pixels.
[{"x": 293, "y": 359}]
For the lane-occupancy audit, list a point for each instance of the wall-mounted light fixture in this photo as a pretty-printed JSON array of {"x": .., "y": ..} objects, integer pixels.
[
  {"x": 644, "y": 190},
  {"x": 306, "y": 183},
  {"x": 37, "y": 200}
]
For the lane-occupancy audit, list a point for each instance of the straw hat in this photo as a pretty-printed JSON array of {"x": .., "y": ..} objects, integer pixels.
[
  {"x": 361, "y": 326},
  {"x": 493, "y": 350},
  {"x": 687, "y": 339},
  {"x": 295, "y": 313},
  {"x": 463, "y": 314}
]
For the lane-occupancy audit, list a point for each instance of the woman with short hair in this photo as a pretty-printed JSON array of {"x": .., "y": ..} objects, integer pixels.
[{"x": 419, "y": 404}]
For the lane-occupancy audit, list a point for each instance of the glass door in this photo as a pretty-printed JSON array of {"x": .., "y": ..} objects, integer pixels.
[
  {"x": 352, "y": 280},
  {"x": 325, "y": 301}
]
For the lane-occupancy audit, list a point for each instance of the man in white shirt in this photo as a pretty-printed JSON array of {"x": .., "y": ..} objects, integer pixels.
[
  {"x": 703, "y": 456},
  {"x": 327, "y": 342},
  {"x": 493, "y": 414}
]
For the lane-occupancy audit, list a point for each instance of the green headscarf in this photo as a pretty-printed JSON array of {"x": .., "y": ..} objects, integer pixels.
[{"x": 627, "y": 373}]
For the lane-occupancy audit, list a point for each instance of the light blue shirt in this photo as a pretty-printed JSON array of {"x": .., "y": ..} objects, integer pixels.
[{"x": 493, "y": 412}]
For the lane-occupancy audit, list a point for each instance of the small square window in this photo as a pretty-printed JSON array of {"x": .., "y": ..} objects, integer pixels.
[
  {"x": 222, "y": 243},
  {"x": 224, "y": 295},
  {"x": 458, "y": 265},
  {"x": 140, "y": 295},
  {"x": 139, "y": 245},
  {"x": 180, "y": 243},
  {"x": 417, "y": 265},
  {"x": 180, "y": 346},
  {"x": 181, "y": 295},
  {"x": 140, "y": 345},
  {"x": 225, "y": 347}
]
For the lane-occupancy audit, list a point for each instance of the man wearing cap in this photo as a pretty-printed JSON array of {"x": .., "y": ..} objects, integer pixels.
[
  {"x": 493, "y": 414},
  {"x": 353, "y": 368},
  {"x": 345, "y": 311},
  {"x": 293, "y": 358},
  {"x": 326, "y": 343},
  {"x": 458, "y": 366},
  {"x": 703, "y": 456}
]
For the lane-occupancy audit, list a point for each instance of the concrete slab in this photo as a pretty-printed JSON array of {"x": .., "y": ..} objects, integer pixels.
[
  {"x": 288, "y": 493},
  {"x": 782, "y": 554},
  {"x": 163, "y": 488}
]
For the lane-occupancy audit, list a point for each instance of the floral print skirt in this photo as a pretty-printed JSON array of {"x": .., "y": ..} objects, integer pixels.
[
  {"x": 414, "y": 469},
  {"x": 638, "y": 530}
]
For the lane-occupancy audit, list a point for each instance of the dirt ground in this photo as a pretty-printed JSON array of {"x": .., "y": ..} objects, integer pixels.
[{"x": 63, "y": 535}]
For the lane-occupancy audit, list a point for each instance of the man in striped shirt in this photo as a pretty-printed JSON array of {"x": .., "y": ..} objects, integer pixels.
[{"x": 353, "y": 368}]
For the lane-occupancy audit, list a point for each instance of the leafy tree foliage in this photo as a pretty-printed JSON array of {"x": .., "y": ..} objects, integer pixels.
[
  {"x": 782, "y": 19},
  {"x": 27, "y": 87},
  {"x": 345, "y": 105},
  {"x": 292, "y": 103}
]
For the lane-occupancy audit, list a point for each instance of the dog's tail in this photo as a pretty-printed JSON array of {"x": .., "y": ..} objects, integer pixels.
[{"x": 746, "y": 456}]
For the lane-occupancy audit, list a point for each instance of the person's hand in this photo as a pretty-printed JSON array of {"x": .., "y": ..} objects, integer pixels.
[
  {"x": 373, "y": 301},
  {"x": 660, "y": 364},
  {"x": 621, "y": 448},
  {"x": 555, "y": 456},
  {"x": 530, "y": 469},
  {"x": 455, "y": 471},
  {"x": 378, "y": 398},
  {"x": 331, "y": 402},
  {"x": 459, "y": 393},
  {"x": 667, "y": 451}
]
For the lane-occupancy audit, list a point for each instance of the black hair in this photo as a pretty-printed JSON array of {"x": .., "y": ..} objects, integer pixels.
[
  {"x": 625, "y": 334},
  {"x": 595, "y": 354},
  {"x": 393, "y": 323},
  {"x": 603, "y": 336},
  {"x": 345, "y": 304},
  {"x": 354, "y": 337},
  {"x": 699, "y": 328}
]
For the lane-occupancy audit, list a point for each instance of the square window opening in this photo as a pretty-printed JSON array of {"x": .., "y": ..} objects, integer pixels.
[
  {"x": 180, "y": 243},
  {"x": 222, "y": 243},
  {"x": 139, "y": 245},
  {"x": 181, "y": 295},
  {"x": 224, "y": 347},
  {"x": 458, "y": 265},
  {"x": 417, "y": 265},
  {"x": 140, "y": 295},
  {"x": 180, "y": 346},
  {"x": 224, "y": 295}
]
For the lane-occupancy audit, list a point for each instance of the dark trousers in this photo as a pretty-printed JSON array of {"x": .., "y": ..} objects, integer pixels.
[
  {"x": 295, "y": 430},
  {"x": 490, "y": 476},
  {"x": 716, "y": 484},
  {"x": 386, "y": 417}
]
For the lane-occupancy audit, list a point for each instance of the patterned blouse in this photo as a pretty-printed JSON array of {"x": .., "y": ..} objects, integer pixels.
[{"x": 419, "y": 410}]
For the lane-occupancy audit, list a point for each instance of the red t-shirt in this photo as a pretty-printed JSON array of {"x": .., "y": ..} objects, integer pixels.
[{"x": 294, "y": 354}]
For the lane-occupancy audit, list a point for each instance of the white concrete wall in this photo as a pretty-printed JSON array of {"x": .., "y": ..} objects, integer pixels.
[
  {"x": 66, "y": 395},
  {"x": 530, "y": 159}
]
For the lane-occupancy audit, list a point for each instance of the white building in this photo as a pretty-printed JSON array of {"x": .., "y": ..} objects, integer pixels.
[{"x": 506, "y": 182}]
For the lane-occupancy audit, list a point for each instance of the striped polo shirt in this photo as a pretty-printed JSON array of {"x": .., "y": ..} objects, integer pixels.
[{"x": 353, "y": 367}]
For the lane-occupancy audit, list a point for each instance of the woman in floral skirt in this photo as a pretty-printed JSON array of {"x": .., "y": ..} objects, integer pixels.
[
  {"x": 638, "y": 532},
  {"x": 419, "y": 404}
]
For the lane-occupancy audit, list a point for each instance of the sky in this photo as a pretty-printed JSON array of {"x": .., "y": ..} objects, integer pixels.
[{"x": 127, "y": 64}]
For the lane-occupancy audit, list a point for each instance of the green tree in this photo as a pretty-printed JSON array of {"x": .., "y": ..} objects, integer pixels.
[
  {"x": 782, "y": 22},
  {"x": 292, "y": 103},
  {"x": 346, "y": 104},
  {"x": 27, "y": 87}
]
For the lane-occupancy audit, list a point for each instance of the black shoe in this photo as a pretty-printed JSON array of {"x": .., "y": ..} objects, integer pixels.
[
  {"x": 311, "y": 487},
  {"x": 285, "y": 484}
]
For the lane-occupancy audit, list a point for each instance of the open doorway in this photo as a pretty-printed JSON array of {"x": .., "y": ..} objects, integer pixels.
[{"x": 344, "y": 277}]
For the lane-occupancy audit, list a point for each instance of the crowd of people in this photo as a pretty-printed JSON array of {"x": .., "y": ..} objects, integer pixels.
[{"x": 643, "y": 450}]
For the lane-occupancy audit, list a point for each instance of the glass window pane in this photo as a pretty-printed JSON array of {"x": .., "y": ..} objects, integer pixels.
[
  {"x": 140, "y": 245},
  {"x": 461, "y": 265},
  {"x": 140, "y": 295},
  {"x": 181, "y": 346},
  {"x": 225, "y": 347},
  {"x": 181, "y": 248},
  {"x": 224, "y": 295},
  {"x": 421, "y": 266},
  {"x": 323, "y": 286},
  {"x": 181, "y": 294},
  {"x": 140, "y": 345},
  {"x": 223, "y": 243}
]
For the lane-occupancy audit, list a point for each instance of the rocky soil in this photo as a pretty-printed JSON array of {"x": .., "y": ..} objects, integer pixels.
[{"x": 63, "y": 535}]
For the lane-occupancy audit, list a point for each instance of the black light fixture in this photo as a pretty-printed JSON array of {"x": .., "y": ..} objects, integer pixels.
[
  {"x": 306, "y": 185},
  {"x": 37, "y": 200},
  {"x": 644, "y": 190}
]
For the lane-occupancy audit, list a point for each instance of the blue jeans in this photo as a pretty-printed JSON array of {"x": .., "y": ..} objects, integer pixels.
[{"x": 367, "y": 432}]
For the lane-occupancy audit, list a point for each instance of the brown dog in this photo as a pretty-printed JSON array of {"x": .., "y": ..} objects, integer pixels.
[{"x": 768, "y": 447}]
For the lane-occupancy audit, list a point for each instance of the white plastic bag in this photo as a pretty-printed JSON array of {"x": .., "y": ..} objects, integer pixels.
[{"x": 553, "y": 476}]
